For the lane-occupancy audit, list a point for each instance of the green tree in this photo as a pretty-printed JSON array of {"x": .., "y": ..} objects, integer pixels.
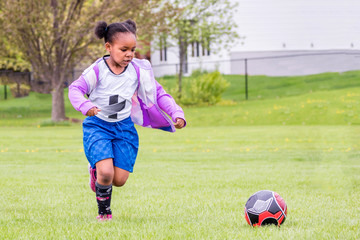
[
  {"x": 55, "y": 35},
  {"x": 207, "y": 22}
]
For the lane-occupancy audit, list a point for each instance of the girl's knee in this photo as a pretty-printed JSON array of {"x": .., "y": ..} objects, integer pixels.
[
  {"x": 119, "y": 182},
  {"x": 120, "y": 178},
  {"x": 105, "y": 176},
  {"x": 105, "y": 171}
]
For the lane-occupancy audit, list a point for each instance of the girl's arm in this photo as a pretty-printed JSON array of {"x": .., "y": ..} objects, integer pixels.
[
  {"x": 168, "y": 105},
  {"x": 77, "y": 90}
]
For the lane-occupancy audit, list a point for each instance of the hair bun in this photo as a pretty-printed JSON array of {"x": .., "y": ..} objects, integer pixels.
[
  {"x": 100, "y": 29},
  {"x": 132, "y": 24}
]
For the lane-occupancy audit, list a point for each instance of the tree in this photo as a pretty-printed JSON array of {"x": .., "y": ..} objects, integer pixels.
[
  {"x": 205, "y": 22},
  {"x": 56, "y": 35}
]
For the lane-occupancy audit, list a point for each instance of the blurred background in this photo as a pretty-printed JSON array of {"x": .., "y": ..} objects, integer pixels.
[
  {"x": 45, "y": 52},
  {"x": 278, "y": 38}
]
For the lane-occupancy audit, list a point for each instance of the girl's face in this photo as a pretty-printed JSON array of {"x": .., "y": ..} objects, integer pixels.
[{"x": 122, "y": 49}]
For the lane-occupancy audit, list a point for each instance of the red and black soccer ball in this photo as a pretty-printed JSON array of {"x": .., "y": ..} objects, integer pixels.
[{"x": 265, "y": 207}]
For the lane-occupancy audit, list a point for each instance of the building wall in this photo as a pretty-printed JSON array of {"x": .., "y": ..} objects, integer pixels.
[
  {"x": 219, "y": 61},
  {"x": 283, "y": 27},
  {"x": 298, "y": 24}
]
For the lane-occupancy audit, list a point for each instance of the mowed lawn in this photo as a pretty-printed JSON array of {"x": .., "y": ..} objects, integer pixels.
[
  {"x": 299, "y": 137},
  {"x": 188, "y": 185}
]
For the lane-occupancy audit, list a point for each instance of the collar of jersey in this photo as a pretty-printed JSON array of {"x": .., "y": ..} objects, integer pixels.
[{"x": 106, "y": 57}]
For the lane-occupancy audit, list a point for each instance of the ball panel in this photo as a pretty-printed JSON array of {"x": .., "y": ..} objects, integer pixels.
[
  {"x": 254, "y": 218},
  {"x": 280, "y": 201},
  {"x": 278, "y": 214},
  {"x": 281, "y": 220},
  {"x": 261, "y": 206},
  {"x": 264, "y": 195},
  {"x": 247, "y": 217},
  {"x": 274, "y": 207},
  {"x": 251, "y": 201},
  {"x": 267, "y": 216},
  {"x": 269, "y": 221}
]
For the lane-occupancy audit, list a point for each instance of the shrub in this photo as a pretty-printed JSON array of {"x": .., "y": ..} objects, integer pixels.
[
  {"x": 201, "y": 88},
  {"x": 19, "y": 90},
  {"x": 198, "y": 72},
  {"x": 205, "y": 89}
]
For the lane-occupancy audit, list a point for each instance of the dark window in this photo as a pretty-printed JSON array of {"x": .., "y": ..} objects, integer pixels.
[
  {"x": 197, "y": 49},
  {"x": 203, "y": 48},
  {"x": 208, "y": 47},
  {"x": 161, "y": 49},
  {"x": 165, "y": 49},
  {"x": 192, "y": 49}
]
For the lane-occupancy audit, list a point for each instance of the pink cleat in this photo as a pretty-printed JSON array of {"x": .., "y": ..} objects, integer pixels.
[
  {"x": 92, "y": 178},
  {"x": 102, "y": 218}
]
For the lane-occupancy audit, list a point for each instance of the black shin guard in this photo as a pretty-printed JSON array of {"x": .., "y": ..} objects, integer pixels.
[{"x": 103, "y": 198}]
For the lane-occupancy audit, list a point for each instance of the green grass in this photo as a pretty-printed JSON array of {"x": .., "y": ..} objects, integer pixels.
[
  {"x": 32, "y": 110},
  {"x": 188, "y": 185},
  {"x": 264, "y": 87},
  {"x": 337, "y": 107},
  {"x": 194, "y": 184}
]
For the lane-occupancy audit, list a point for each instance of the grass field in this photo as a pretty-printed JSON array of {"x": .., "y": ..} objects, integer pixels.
[
  {"x": 189, "y": 185},
  {"x": 192, "y": 184}
]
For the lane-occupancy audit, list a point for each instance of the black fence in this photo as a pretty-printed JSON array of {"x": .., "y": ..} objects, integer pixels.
[{"x": 274, "y": 63}]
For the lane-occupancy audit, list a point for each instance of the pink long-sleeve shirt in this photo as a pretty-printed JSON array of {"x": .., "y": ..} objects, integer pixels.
[{"x": 144, "y": 99}]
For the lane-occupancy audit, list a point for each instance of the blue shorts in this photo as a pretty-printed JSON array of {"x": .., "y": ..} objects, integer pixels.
[{"x": 116, "y": 140}]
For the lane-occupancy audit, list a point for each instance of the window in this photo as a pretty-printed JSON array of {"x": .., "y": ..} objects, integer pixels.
[
  {"x": 197, "y": 49},
  {"x": 163, "y": 48},
  {"x": 192, "y": 49}
]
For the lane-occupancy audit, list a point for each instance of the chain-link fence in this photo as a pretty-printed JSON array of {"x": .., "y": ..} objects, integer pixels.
[
  {"x": 273, "y": 63},
  {"x": 270, "y": 63}
]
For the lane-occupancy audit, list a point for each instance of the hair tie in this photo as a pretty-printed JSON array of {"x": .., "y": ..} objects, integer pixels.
[{"x": 106, "y": 29}]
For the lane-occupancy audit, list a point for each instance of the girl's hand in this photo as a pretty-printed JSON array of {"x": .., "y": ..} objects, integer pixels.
[
  {"x": 93, "y": 111},
  {"x": 179, "y": 123}
]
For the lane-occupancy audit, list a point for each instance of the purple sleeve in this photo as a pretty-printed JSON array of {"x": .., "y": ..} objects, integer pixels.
[
  {"x": 168, "y": 104},
  {"x": 77, "y": 90}
]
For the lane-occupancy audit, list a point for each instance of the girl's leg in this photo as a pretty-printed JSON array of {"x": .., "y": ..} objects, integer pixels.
[
  {"x": 120, "y": 177},
  {"x": 103, "y": 187},
  {"x": 105, "y": 171}
]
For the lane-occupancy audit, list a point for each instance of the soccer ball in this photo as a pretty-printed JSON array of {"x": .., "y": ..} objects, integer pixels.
[{"x": 265, "y": 207}]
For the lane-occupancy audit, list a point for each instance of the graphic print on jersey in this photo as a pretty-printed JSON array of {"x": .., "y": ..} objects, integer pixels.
[{"x": 114, "y": 106}]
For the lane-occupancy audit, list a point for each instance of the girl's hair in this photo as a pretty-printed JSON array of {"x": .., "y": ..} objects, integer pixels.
[{"x": 102, "y": 30}]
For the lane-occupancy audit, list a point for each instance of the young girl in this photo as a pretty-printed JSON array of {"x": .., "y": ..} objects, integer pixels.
[{"x": 121, "y": 91}]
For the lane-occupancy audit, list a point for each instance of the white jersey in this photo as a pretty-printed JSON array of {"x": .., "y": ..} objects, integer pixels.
[{"x": 112, "y": 93}]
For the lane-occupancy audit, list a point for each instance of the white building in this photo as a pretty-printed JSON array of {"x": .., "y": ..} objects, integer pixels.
[{"x": 315, "y": 35}]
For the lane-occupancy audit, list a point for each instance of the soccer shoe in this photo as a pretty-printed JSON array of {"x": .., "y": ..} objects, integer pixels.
[
  {"x": 105, "y": 217},
  {"x": 92, "y": 178}
]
